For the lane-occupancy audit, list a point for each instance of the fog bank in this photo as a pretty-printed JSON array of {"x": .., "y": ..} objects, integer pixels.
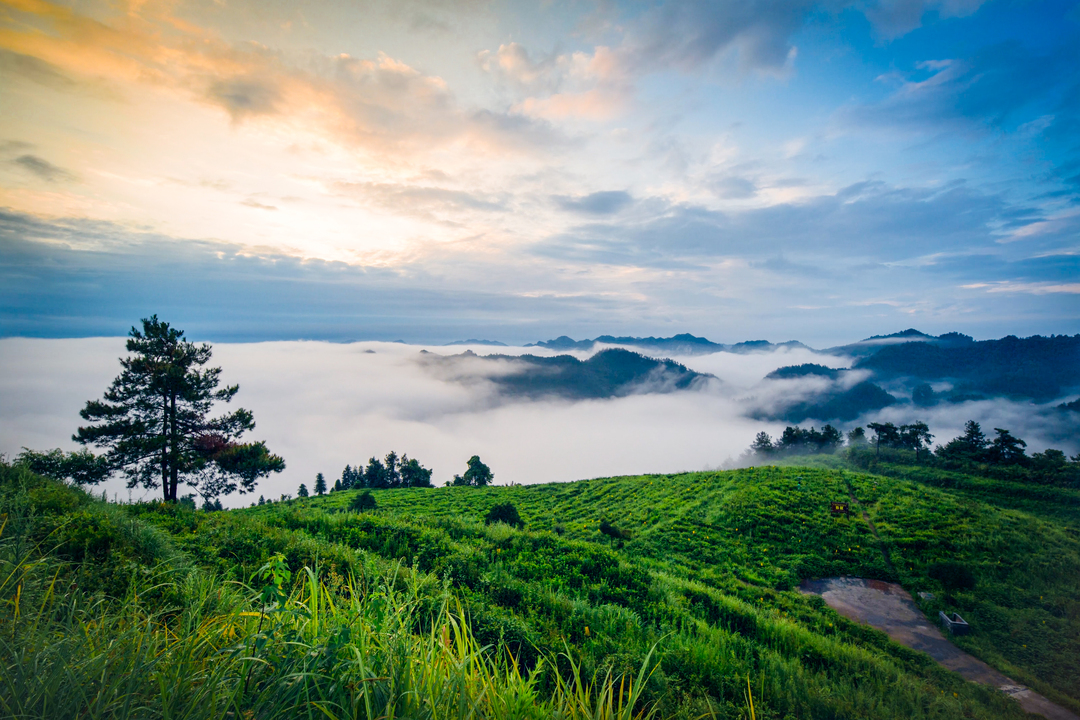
[{"x": 322, "y": 405}]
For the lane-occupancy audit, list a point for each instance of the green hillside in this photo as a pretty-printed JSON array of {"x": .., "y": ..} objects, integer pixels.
[{"x": 685, "y": 581}]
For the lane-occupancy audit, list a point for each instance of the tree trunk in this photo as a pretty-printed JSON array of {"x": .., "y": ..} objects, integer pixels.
[
  {"x": 165, "y": 447},
  {"x": 174, "y": 477}
]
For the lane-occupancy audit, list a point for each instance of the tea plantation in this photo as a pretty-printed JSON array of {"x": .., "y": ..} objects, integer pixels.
[{"x": 652, "y": 596}]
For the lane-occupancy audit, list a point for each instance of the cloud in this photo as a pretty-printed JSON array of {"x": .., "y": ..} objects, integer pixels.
[
  {"x": 36, "y": 70},
  {"x": 322, "y": 405},
  {"x": 592, "y": 86},
  {"x": 244, "y": 97},
  {"x": 894, "y": 18},
  {"x": 1042, "y": 288},
  {"x": 423, "y": 201},
  {"x": 79, "y": 277},
  {"x": 687, "y": 35},
  {"x": 686, "y": 270},
  {"x": 1004, "y": 89},
  {"x": 734, "y": 188},
  {"x": 381, "y": 105},
  {"x": 903, "y": 222},
  {"x": 42, "y": 168},
  {"x": 606, "y": 202}
]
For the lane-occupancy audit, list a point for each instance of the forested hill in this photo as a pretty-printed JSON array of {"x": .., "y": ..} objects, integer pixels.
[
  {"x": 610, "y": 373},
  {"x": 1038, "y": 368}
]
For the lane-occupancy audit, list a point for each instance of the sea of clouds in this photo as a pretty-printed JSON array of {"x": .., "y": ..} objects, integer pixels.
[{"x": 322, "y": 405}]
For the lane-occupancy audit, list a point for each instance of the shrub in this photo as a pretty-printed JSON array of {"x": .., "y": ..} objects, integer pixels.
[
  {"x": 611, "y": 531},
  {"x": 364, "y": 502},
  {"x": 504, "y": 513},
  {"x": 952, "y": 575}
]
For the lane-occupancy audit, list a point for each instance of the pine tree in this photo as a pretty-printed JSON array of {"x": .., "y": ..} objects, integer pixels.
[
  {"x": 302, "y": 491},
  {"x": 320, "y": 484},
  {"x": 154, "y": 421}
]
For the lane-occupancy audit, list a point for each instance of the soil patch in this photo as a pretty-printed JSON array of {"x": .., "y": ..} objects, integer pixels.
[{"x": 890, "y": 608}]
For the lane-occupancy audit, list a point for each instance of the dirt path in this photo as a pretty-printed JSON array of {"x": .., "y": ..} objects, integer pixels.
[
  {"x": 889, "y": 607},
  {"x": 873, "y": 530}
]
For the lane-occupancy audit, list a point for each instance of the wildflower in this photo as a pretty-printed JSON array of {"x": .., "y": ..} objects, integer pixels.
[{"x": 586, "y": 631}]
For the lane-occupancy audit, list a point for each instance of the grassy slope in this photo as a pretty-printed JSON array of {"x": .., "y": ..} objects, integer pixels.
[
  {"x": 768, "y": 528},
  {"x": 705, "y": 574}
]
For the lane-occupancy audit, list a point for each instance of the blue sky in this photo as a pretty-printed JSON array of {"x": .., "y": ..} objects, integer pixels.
[{"x": 430, "y": 171}]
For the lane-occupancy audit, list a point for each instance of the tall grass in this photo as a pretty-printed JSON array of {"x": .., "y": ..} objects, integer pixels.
[{"x": 223, "y": 653}]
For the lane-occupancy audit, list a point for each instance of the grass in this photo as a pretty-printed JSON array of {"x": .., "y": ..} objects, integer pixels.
[{"x": 420, "y": 609}]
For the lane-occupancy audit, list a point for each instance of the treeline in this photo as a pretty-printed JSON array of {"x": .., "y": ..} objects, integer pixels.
[
  {"x": 390, "y": 473},
  {"x": 393, "y": 472},
  {"x": 1004, "y": 456}
]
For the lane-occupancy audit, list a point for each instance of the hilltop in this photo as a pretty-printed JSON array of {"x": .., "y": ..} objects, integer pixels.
[{"x": 613, "y": 372}]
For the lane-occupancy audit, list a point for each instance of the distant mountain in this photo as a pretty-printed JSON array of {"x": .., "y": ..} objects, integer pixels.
[
  {"x": 682, "y": 344},
  {"x": 494, "y": 343},
  {"x": 609, "y": 373},
  {"x": 794, "y": 371},
  {"x": 564, "y": 343},
  {"x": 754, "y": 346},
  {"x": 1034, "y": 368},
  {"x": 876, "y": 343},
  {"x": 842, "y": 405}
]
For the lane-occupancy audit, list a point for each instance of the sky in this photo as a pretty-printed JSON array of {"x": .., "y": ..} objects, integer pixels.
[
  {"x": 321, "y": 405},
  {"x": 257, "y": 170}
]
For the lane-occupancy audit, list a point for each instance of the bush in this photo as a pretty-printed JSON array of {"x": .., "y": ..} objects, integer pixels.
[
  {"x": 952, "y": 575},
  {"x": 504, "y": 513},
  {"x": 364, "y": 502},
  {"x": 611, "y": 531}
]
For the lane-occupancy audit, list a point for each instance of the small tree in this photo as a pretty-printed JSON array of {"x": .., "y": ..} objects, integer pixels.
[
  {"x": 969, "y": 447},
  {"x": 763, "y": 444},
  {"x": 375, "y": 476},
  {"x": 504, "y": 513},
  {"x": 413, "y": 474},
  {"x": 915, "y": 436},
  {"x": 885, "y": 434},
  {"x": 320, "y": 484},
  {"x": 828, "y": 440},
  {"x": 478, "y": 473},
  {"x": 302, "y": 491},
  {"x": 363, "y": 502},
  {"x": 154, "y": 420},
  {"x": 856, "y": 437},
  {"x": 1006, "y": 449},
  {"x": 393, "y": 472},
  {"x": 610, "y": 530}
]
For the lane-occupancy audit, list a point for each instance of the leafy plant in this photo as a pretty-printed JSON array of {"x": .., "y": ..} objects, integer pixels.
[
  {"x": 363, "y": 502},
  {"x": 504, "y": 513}
]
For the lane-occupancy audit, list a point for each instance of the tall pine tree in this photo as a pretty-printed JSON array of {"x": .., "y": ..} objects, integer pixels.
[{"x": 154, "y": 420}]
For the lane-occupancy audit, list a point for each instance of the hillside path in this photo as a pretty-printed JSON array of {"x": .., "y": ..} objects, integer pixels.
[{"x": 890, "y": 608}]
